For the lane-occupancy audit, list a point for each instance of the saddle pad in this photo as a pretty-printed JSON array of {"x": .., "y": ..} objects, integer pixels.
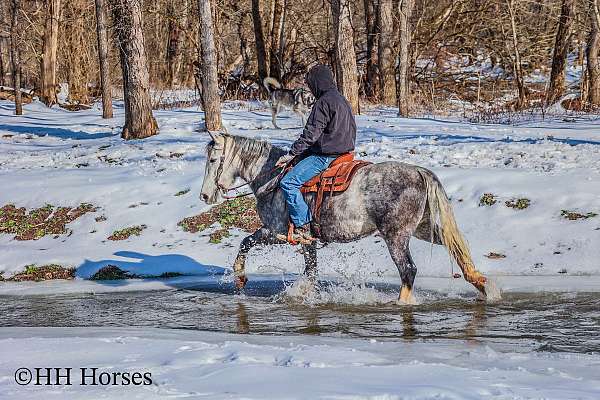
[{"x": 336, "y": 178}]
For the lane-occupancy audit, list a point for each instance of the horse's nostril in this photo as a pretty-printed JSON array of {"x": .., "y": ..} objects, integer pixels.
[{"x": 204, "y": 197}]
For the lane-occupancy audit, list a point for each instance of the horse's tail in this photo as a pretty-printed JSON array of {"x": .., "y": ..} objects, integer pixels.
[
  {"x": 268, "y": 82},
  {"x": 443, "y": 224}
]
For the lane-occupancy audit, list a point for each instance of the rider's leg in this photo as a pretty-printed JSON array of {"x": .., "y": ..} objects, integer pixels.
[{"x": 293, "y": 181}]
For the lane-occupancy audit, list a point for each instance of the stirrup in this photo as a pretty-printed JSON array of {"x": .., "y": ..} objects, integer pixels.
[{"x": 290, "y": 237}]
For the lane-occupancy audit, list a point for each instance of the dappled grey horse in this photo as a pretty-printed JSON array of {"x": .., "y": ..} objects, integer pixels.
[{"x": 396, "y": 199}]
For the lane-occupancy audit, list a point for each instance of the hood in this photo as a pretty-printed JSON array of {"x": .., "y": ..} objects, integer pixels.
[{"x": 319, "y": 80}]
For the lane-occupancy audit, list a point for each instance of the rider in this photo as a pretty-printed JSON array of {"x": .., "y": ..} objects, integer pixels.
[{"x": 329, "y": 132}]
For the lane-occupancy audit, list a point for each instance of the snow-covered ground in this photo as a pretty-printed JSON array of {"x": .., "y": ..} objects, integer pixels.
[
  {"x": 201, "y": 365},
  {"x": 67, "y": 158}
]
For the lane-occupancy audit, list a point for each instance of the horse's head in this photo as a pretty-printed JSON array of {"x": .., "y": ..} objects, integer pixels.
[{"x": 218, "y": 174}]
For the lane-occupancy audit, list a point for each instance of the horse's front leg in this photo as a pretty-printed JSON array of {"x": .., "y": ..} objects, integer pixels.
[
  {"x": 310, "y": 261},
  {"x": 262, "y": 236}
]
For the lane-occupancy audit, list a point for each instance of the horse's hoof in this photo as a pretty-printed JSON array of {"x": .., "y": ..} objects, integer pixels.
[
  {"x": 406, "y": 297},
  {"x": 240, "y": 282}
]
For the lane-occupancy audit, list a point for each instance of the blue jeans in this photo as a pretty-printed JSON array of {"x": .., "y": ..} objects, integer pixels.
[{"x": 293, "y": 181}]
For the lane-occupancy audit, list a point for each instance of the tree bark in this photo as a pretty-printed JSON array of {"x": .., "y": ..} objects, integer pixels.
[
  {"x": 517, "y": 65},
  {"x": 102, "y": 36},
  {"x": 259, "y": 39},
  {"x": 48, "y": 86},
  {"x": 173, "y": 41},
  {"x": 345, "y": 54},
  {"x": 208, "y": 69},
  {"x": 592, "y": 52},
  {"x": 127, "y": 21},
  {"x": 2, "y": 68},
  {"x": 276, "y": 31},
  {"x": 15, "y": 56},
  {"x": 385, "y": 53},
  {"x": 561, "y": 49},
  {"x": 405, "y": 9},
  {"x": 371, "y": 30}
]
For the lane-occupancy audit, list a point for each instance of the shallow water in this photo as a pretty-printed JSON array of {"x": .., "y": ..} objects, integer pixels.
[{"x": 547, "y": 321}]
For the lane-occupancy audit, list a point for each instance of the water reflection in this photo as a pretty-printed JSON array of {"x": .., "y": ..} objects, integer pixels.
[{"x": 555, "y": 322}]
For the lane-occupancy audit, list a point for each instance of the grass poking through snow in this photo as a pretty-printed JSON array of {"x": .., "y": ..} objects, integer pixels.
[
  {"x": 39, "y": 222},
  {"x": 126, "y": 233},
  {"x": 238, "y": 213}
]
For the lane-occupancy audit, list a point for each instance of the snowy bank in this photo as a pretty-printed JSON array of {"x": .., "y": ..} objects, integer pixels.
[
  {"x": 68, "y": 158},
  {"x": 225, "y": 366}
]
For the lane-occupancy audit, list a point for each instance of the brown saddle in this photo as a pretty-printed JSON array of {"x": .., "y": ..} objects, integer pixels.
[{"x": 335, "y": 179}]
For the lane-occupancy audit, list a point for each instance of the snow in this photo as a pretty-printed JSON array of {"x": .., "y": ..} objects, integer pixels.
[
  {"x": 232, "y": 366},
  {"x": 66, "y": 158}
]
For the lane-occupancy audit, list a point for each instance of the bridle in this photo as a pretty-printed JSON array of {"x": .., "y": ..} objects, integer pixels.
[
  {"x": 225, "y": 190},
  {"x": 220, "y": 168}
]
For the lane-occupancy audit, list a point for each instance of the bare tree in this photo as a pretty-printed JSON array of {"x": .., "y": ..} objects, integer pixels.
[
  {"x": 276, "y": 33},
  {"x": 561, "y": 49},
  {"x": 259, "y": 40},
  {"x": 593, "y": 51},
  {"x": 14, "y": 54},
  {"x": 177, "y": 21},
  {"x": 48, "y": 86},
  {"x": 208, "y": 69},
  {"x": 2, "y": 69},
  {"x": 127, "y": 21},
  {"x": 405, "y": 9},
  {"x": 385, "y": 53},
  {"x": 371, "y": 31},
  {"x": 345, "y": 54},
  {"x": 107, "y": 111},
  {"x": 517, "y": 63}
]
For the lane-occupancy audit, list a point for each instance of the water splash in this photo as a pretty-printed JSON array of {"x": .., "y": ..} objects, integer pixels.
[
  {"x": 492, "y": 293},
  {"x": 306, "y": 292}
]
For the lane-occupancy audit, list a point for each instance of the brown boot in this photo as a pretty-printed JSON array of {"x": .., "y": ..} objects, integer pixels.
[
  {"x": 300, "y": 235},
  {"x": 303, "y": 233}
]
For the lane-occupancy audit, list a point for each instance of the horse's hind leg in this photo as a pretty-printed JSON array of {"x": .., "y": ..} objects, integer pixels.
[
  {"x": 260, "y": 237},
  {"x": 400, "y": 252}
]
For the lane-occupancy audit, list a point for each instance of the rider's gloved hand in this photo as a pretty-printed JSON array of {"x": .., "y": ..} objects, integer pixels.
[{"x": 284, "y": 160}]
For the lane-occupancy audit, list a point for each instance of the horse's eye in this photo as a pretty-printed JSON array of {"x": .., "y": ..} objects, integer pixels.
[{"x": 213, "y": 160}]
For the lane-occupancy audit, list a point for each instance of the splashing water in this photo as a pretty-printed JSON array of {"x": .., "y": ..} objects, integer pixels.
[
  {"x": 492, "y": 293},
  {"x": 350, "y": 292}
]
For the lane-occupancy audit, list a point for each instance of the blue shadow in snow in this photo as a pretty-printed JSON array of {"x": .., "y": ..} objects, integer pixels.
[
  {"x": 145, "y": 264},
  {"x": 55, "y": 132},
  {"x": 454, "y": 139}
]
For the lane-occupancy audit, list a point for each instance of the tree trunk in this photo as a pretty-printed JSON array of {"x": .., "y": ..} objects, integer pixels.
[
  {"x": 370, "y": 27},
  {"x": 345, "y": 54},
  {"x": 517, "y": 65},
  {"x": 127, "y": 21},
  {"x": 173, "y": 42},
  {"x": 259, "y": 39},
  {"x": 208, "y": 69},
  {"x": 385, "y": 53},
  {"x": 561, "y": 49},
  {"x": 15, "y": 56},
  {"x": 277, "y": 21},
  {"x": 405, "y": 9},
  {"x": 48, "y": 86},
  {"x": 107, "y": 111},
  {"x": 2, "y": 69},
  {"x": 593, "y": 50}
]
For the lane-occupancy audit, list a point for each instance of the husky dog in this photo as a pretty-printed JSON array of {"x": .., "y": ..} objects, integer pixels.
[{"x": 298, "y": 100}]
